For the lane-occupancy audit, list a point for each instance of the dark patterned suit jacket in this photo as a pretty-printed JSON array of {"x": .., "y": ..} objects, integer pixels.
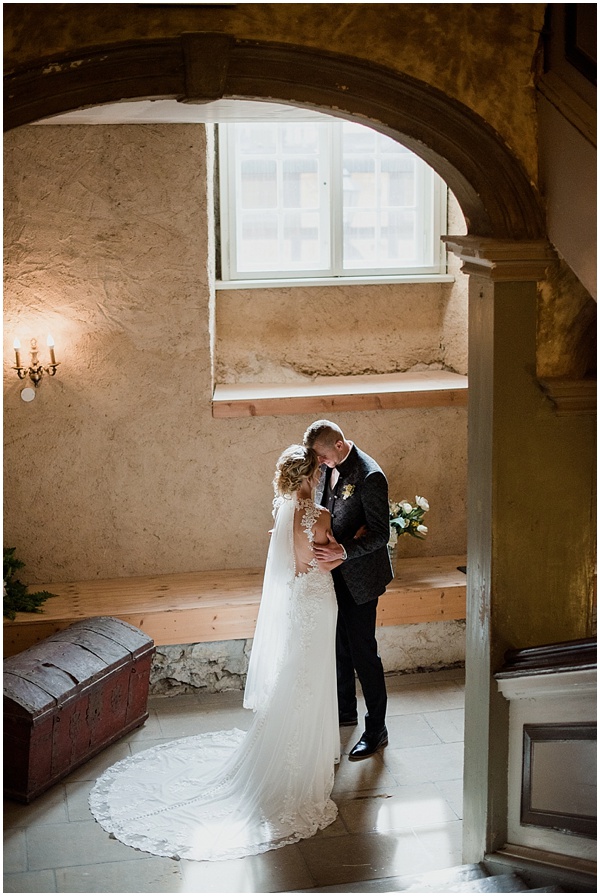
[{"x": 361, "y": 499}]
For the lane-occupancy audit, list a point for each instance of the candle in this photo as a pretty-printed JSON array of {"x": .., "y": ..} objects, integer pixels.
[
  {"x": 50, "y": 342},
  {"x": 17, "y": 347}
]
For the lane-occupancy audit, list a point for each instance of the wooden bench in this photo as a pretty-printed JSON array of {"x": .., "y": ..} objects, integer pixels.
[{"x": 222, "y": 605}]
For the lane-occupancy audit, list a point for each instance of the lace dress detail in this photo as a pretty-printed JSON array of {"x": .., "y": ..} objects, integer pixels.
[
  {"x": 310, "y": 515},
  {"x": 229, "y": 794}
]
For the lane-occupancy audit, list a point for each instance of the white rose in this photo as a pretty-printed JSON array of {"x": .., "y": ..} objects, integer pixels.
[
  {"x": 406, "y": 507},
  {"x": 423, "y": 503},
  {"x": 422, "y": 529},
  {"x": 394, "y": 508}
]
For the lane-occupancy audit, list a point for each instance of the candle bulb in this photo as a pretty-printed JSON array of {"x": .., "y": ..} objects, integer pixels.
[
  {"x": 50, "y": 342},
  {"x": 17, "y": 347}
]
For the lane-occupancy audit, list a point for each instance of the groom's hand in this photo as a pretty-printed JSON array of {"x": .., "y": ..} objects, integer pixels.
[{"x": 333, "y": 550}]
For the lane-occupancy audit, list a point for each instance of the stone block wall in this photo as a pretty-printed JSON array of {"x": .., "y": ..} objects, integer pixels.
[{"x": 222, "y": 665}]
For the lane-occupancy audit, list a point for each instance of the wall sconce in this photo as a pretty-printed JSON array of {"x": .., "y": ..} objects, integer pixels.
[{"x": 35, "y": 371}]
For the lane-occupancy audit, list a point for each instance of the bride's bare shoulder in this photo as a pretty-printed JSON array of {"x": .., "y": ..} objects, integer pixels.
[
  {"x": 324, "y": 518},
  {"x": 322, "y": 510}
]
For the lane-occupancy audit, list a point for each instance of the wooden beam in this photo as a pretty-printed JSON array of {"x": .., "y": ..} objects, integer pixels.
[{"x": 222, "y": 605}]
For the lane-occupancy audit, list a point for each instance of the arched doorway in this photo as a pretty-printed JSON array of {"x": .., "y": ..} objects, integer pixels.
[{"x": 502, "y": 211}]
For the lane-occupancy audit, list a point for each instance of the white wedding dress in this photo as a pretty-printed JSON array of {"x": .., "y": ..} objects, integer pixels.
[{"x": 232, "y": 793}]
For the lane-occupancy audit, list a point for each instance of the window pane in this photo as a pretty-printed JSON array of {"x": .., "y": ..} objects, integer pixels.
[
  {"x": 256, "y": 138},
  {"x": 299, "y": 138},
  {"x": 300, "y": 183},
  {"x": 258, "y": 184},
  {"x": 381, "y": 218},
  {"x": 270, "y": 242},
  {"x": 257, "y": 241},
  {"x": 398, "y": 181},
  {"x": 358, "y": 138},
  {"x": 283, "y": 204},
  {"x": 399, "y": 243},
  {"x": 325, "y": 198},
  {"x": 383, "y": 238},
  {"x": 301, "y": 240}
]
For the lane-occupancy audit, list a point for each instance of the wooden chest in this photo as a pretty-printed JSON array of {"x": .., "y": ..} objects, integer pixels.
[{"x": 70, "y": 696}]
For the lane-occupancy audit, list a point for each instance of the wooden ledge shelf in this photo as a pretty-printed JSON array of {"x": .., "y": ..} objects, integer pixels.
[
  {"x": 222, "y": 605},
  {"x": 333, "y": 394}
]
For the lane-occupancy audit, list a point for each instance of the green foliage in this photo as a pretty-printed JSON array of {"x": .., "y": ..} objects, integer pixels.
[{"x": 16, "y": 597}]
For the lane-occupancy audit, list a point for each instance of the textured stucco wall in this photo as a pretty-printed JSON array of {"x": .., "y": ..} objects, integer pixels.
[
  {"x": 107, "y": 248},
  {"x": 458, "y": 48},
  {"x": 277, "y": 335},
  {"x": 455, "y": 301},
  {"x": 566, "y": 326}
]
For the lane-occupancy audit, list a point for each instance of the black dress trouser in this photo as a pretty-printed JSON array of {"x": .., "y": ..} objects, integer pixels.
[{"x": 356, "y": 649}]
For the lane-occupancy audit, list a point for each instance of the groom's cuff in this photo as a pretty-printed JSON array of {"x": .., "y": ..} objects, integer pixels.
[{"x": 345, "y": 554}]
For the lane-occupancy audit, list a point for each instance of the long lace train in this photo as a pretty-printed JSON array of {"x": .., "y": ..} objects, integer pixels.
[{"x": 229, "y": 793}]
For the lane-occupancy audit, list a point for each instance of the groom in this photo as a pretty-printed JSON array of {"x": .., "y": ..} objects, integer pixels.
[{"x": 354, "y": 489}]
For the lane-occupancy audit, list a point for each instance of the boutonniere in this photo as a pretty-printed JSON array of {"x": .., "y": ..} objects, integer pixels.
[{"x": 348, "y": 491}]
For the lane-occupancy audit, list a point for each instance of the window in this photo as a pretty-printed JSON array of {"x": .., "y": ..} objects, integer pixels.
[{"x": 325, "y": 199}]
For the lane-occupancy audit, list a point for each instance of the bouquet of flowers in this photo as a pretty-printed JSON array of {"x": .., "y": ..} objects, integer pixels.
[{"x": 406, "y": 518}]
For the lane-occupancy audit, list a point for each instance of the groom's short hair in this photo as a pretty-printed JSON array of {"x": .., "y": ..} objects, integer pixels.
[{"x": 324, "y": 432}]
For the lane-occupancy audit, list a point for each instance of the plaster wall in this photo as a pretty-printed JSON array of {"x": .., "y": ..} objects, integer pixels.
[
  {"x": 118, "y": 467},
  {"x": 566, "y": 326},
  {"x": 278, "y": 335},
  {"x": 457, "y": 48}
]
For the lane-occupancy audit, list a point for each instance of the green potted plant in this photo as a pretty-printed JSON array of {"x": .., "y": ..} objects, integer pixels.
[{"x": 17, "y": 599}]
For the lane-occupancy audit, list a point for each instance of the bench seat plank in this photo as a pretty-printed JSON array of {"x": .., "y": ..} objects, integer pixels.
[{"x": 222, "y": 605}]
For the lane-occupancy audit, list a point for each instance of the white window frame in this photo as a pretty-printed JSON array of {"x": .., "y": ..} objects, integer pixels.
[{"x": 435, "y": 196}]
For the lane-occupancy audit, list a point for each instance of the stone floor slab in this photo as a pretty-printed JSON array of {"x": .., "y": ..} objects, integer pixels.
[
  {"x": 80, "y": 843},
  {"x": 30, "y": 882},
  {"x": 278, "y": 871},
  {"x": 151, "y": 875},
  {"x": 362, "y": 857},
  {"x": 448, "y": 724},
  {"x": 416, "y": 765},
  {"x": 408, "y": 808},
  {"x": 49, "y": 808}
]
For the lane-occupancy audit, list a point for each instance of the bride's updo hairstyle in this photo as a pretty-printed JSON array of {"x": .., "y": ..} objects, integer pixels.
[{"x": 295, "y": 463}]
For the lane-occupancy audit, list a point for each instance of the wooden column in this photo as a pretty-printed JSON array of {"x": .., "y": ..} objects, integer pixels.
[{"x": 530, "y": 506}]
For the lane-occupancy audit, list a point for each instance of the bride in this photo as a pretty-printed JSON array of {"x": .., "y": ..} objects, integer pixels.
[{"x": 232, "y": 793}]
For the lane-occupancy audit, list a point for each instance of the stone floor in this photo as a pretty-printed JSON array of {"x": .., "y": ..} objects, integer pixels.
[{"x": 400, "y": 812}]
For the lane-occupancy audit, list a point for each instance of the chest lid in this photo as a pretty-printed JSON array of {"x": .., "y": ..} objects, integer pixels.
[{"x": 54, "y": 671}]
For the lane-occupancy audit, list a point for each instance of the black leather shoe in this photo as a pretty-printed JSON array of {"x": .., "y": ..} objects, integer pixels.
[
  {"x": 369, "y": 744},
  {"x": 348, "y": 721}
]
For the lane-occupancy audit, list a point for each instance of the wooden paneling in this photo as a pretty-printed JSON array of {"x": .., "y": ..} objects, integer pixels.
[
  {"x": 425, "y": 589},
  {"x": 221, "y": 605}
]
